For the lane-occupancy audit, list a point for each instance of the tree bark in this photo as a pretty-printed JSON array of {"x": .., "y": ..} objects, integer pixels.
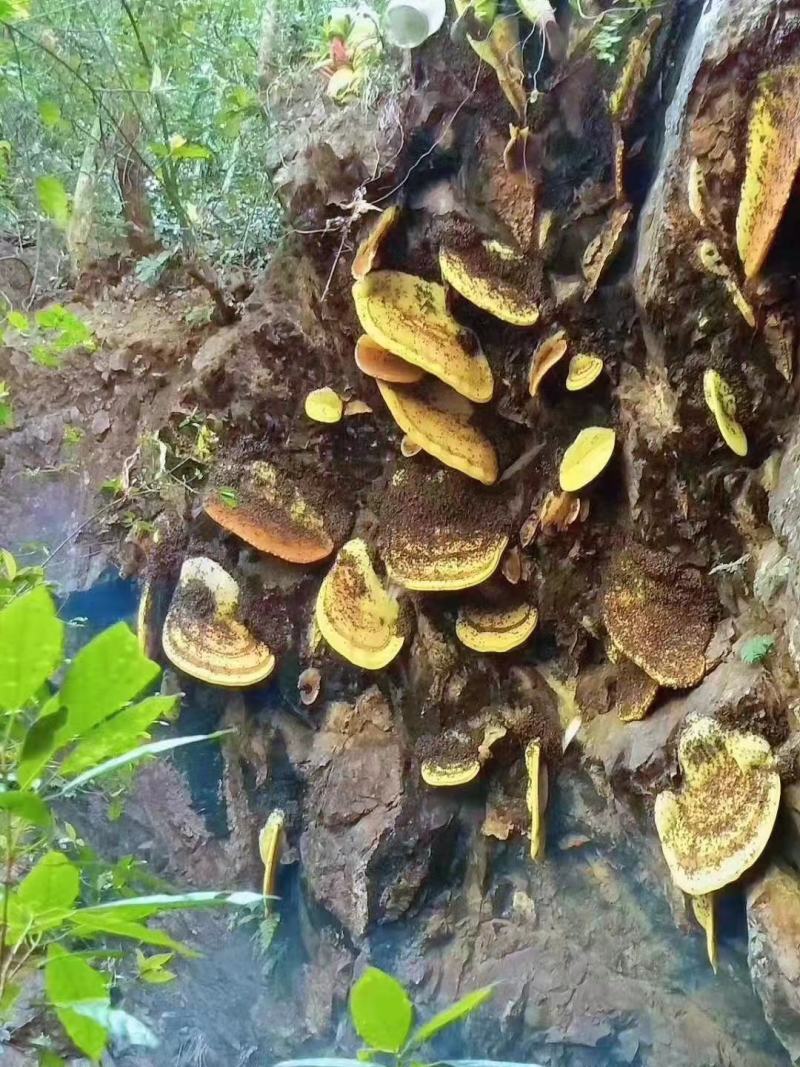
[
  {"x": 80, "y": 223},
  {"x": 131, "y": 177}
]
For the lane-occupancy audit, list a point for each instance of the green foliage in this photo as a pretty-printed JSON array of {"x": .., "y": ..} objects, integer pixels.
[
  {"x": 153, "y": 969},
  {"x": 613, "y": 28},
  {"x": 14, "y": 10},
  {"x": 73, "y": 435},
  {"x": 381, "y": 1011},
  {"x": 383, "y": 1016},
  {"x": 58, "y": 899},
  {"x": 53, "y": 200},
  {"x": 149, "y": 269},
  {"x": 455, "y": 1013},
  {"x": 16, "y": 579},
  {"x": 6, "y": 408},
  {"x": 756, "y": 649},
  {"x": 175, "y": 87},
  {"x": 50, "y": 335}
]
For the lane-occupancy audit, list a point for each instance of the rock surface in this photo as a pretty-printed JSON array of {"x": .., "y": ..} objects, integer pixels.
[
  {"x": 773, "y": 927},
  {"x": 369, "y": 839}
]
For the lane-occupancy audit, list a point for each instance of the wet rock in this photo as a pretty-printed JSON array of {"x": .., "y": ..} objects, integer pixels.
[
  {"x": 639, "y": 755},
  {"x": 582, "y": 980},
  {"x": 773, "y": 927},
  {"x": 724, "y": 29},
  {"x": 784, "y": 504},
  {"x": 370, "y": 835}
]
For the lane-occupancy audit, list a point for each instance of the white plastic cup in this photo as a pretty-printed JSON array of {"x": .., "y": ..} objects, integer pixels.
[{"x": 407, "y": 23}]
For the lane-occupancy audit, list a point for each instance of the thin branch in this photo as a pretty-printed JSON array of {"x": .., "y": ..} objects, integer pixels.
[
  {"x": 170, "y": 183},
  {"x": 95, "y": 94}
]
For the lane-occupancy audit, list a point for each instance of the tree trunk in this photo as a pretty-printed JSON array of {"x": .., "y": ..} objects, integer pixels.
[
  {"x": 80, "y": 223},
  {"x": 267, "y": 66},
  {"x": 131, "y": 177}
]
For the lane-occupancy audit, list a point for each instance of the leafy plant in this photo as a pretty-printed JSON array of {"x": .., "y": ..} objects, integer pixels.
[
  {"x": 16, "y": 579},
  {"x": 383, "y": 1016},
  {"x": 54, "y": 200},
  {"x": 6, "y": 408},
  {"x": 612, "y": 29},
  {"x": 756, "y": 649},
  {"x": 49, "y": 335},
  {"x": 58, "y": 898},
  {"x": 149, "y": 269}
]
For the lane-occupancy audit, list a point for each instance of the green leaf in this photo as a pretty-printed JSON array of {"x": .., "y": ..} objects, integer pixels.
[
  {"x": 228, "y": 497},
  {"x": 8, "y": 1000},
  {"x": 9, "y": 564},
  {"x": 31, "y": 646},
  {"x": 756, "y": 649},
  {"x": 41, "y": 741},
  {"x": 27, "y": 806},
  {"x": 21, "y": 323},
  {"x": 52, "y": 885},
  {"x": 6, "y": 415},
  {"x": 108, "y": 672},
  {"x": 161, "y": 977},
  {"x": 455, "y": 1013},
  {"x": 53, "y": 200},
  {"x": 113, "y": 924},
  {"x": 49, "y": 113},
  {"x": 116, "y": 735},
  {"x": 14, "y": 10},
  {"x": 153, "y": 749},
  {"x": 49, "y": 1059},
  {"x": 45, "y": 356},
  {"x": 191, "y": 151},
  {"x": 70, "y": 984},
  {"x": 381, "y": 1011},
  {"x": 149, "y": 269}
]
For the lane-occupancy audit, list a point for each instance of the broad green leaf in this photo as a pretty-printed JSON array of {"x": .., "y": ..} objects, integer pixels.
[
  {"x": 52, "y": 886},
  {"x": 41, "y": 741},
  {"x": 18, "y": 321},
  {"x": 53, "y": 200},
  {"x": 455, "y": 1013},
  {"x": 70, "y": 983},
  {"x": 108, "y": 672},
  {"x": 31, "y": 646},
  {"x": 117, "y": 734},
  {"x": 118, "y": 925},
  {"x": 6, "y": 414},
  {"x": 381, "y": 1011},
  {"x": 135, "y": 754},
  {"x": 27, "y": 806},
  {"x": 49, "y": 113}
]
